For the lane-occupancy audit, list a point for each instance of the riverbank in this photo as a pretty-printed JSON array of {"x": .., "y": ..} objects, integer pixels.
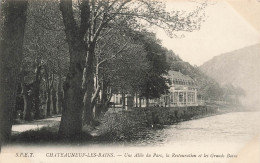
[
  {"x": 118, "y": 125},
  {"x": 221, "y": 134},
  {"x": 121, "y": 125}
]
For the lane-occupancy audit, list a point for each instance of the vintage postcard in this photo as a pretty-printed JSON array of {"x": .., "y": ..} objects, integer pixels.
[{"x": 130, "y": 81}]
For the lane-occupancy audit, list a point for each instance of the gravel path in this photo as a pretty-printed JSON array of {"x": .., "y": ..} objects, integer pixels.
[{"x": 34, "y": 125}]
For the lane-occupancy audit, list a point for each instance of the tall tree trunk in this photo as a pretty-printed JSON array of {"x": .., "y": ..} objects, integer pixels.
[
  {"x": 49, "y": 77},
  {"x": 27, "y": 115},
  {"x": 19, "y": 103},
  {"x": 88, "y": 111},
  {"x": 94, "y": 99},
  {"x": 147, "y": 101},
  {"x": 36, "y": 93},
  {"x": 59, "y": 94},
  {"x": 108, "y": 100},
  {"x": 103, "y": 97},
  {"x": 88, "y": 86},
  {"x": 44, "y": 98},
  {"x": 123, "y": 100},
  {"x": 48, "y": 102},
  {"x": 27, "y": 98},
  {"x": 54, "y": 101},
  {"x": 71, "y": 120},
  {"x": 136, "y": 100},
  {"x": 106, "y": 96},
  {"x": 11, "y": 45}
]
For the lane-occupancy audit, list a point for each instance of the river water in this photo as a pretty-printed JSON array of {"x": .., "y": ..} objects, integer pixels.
[
  {"x": 231, "y": 137},
  {"x": 229, "y": 128}
]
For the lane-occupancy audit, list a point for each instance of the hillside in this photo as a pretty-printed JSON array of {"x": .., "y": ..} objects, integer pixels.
[
  {"x": 208, "y": 88},
  {"x": 241, "y": 68}
]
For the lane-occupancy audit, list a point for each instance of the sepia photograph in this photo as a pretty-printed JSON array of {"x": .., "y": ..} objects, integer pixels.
[{"x": 129, "y": 81}]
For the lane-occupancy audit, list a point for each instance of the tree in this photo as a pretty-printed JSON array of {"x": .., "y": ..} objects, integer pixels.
[
  {"x": 82, "y": 35},
  {"x": 12, "y": 34},
  {"x": 154, "y": 84},
  {"x": 71, "y": 120},
  {"x": 107, "y": 52},
  {"x": 27, "y": 94},
  {"x": 46, "y": 57},
  {"x": 122, "y": 63}
]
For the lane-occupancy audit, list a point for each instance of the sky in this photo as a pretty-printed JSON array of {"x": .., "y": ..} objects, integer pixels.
[{"x": 223, "y": 31}]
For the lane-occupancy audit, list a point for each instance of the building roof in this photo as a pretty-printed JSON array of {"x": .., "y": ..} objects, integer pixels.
[
  {"x": 178, "y": 79},
  {"x": 179, "y": 75}
]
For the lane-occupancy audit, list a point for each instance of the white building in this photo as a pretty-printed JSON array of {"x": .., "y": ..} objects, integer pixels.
[{"x": 183, "y": 90}]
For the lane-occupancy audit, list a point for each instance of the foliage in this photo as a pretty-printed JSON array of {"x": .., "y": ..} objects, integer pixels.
[
  {"x": 125, "y": 62},
  {"x": 44, "y": 38},
  {"x": 154, "y": 84},
  {"x": 71, "y": 38},
  {"x": 13, "y": 15}
]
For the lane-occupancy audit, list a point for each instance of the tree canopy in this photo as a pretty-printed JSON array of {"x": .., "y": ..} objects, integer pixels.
[{"x": 93, "y": 48}]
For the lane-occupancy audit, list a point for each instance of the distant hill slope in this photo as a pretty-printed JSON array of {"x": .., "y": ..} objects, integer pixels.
[
  {"x": 240, "y": 68},
  {"x": 208, "y": 88}
]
